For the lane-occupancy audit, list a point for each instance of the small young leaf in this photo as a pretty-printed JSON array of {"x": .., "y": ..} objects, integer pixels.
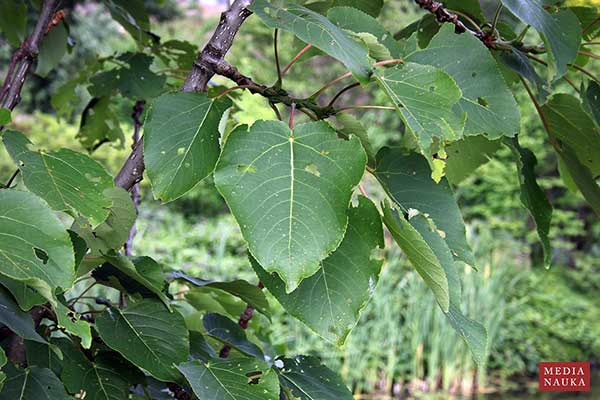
[
  {"x": 181, "y": 141},
  {"x": 234, "y": 379},
  {"x": 289, "y": 191},
  {"x": 148, "y": 335},
  {"x": 67, "y": 180}
]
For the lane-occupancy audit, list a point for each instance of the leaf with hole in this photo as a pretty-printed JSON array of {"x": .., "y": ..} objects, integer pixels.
[
  {"x": 35, "y": 248},
  {"x": 233, "y": 379},
  {"x": 330, "y": 302},
  {"x": 289, "y": 191},
  {"x": 148, "y": 335},
  {"x": 69, "y": 181},
  {"x": 181, "y": 141}
]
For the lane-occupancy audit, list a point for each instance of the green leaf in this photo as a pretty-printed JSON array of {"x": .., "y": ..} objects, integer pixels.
[
  {"x": 13, "y": 21},
  {"x": 67, "y": 180},
  {"x": 234, "y": 379},
  {"x": 251, "y": 294},
  {"x": 5, "y": 117},
  {"x": 230, "y": 333},
  {"x": 3, "y": 361},
  {"x": 45, "y": 355},
  {"x": 135, "y": 81},
  {"x": 352, "y": 126},
  {"x": 133, "y": 17},
  {"x": 591, "y": 100},
  {"x": 371, "y": 7},
  {"x": 71, "y": 322},
  {"x": 52, "y": 49},
  {"x": 304, "y": 377},
  {"x": 317, "y": 30},
  {"x": 99, "y": 124},
  {"x": 533, "y": 197},
  {"x": 407, "y": 179},
  {"x": 199, "y": 348},
  {"x": 100, "y": 379},
  {"x": 561, "y": 30},
  {"x": 468, "y": 154},
  {"x": 424, "y": 96},
  {"x": 16, "y": 319},
  {"x": 148, "y": 335},
  {"x": 419, "y": 254},
  {"x": 26, "y": 296},
  {"x": 137, "y": 275},
  {"x": 582, "y": 177},
  {"x": 352, "y": 19},
  {"x": 571, "y": 125},
  {"x": 518, "y": 61},
  {"x": 330, "y": 301},
  {"x": 33, "y": 383},
  {"x": 473, "y": 333},
  {"x": 113, "y": 232},
  {"x": 35, "y": 247},
  {"x": 487, "y": 101},
  {"x": 289, "y": 191},
  {"x": 181, "y": 141}
]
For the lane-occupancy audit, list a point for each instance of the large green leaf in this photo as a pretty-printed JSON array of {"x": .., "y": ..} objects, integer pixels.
[
  {"x": 424, "y": 96},
  {"x": 561, "y": 30},
  {"x": 533, "y": 197},
  {"x": 330, "y": 301},
  {"x": 591, "y": 100},
  {"x": 148, "y": 335},
  {"x": 100, "y": 379},
  {"x": 571, "y": 125},
  {"x": 468, "y": 154},
  {"x": 35, "y": 247},
  {"x": 289, "y": 191},
  {"x": 230, "y": 333},
  {"x": 234, "y": 379},
  {"x": 305, "y": 378},
  {"x": 419, "y": 254},
  {"x": 33, "y": 383},
  {"x": 317, "y": 30},
  {"x": 251, "y": 294},
  {"x": 67, "y": 180},
  {"x": 72, "y": 323},
  {"x": 181, "y": 141},
  {"x": 487, "y": 101},
  {"x": 407, "y": 179},
  {"x": 16, "y": 319}
]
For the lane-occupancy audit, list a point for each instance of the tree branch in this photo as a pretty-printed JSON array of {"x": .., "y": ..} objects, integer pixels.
[
  {"x": 23, "y": 57},
  {"x": 196, "y": 81}
]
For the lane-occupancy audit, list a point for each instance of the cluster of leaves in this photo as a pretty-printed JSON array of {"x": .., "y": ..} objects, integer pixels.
[{"x": 289, "y": 186}]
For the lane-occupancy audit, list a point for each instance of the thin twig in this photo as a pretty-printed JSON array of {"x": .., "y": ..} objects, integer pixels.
[
  {"x": 588, "y": 54},
  {"x": 276, "y": 51},
  {"x": 364, "y": 108},
  {"x": 590, "y": 25},
  {"x": 497, "y": 16},
  {"x": 341, "y": 92},
  {"x": 292, "y": 112},
  {"x": 469, "y": 19},
  {"x": 296, "y": 57},
  {"x": 12, "y": 178}
]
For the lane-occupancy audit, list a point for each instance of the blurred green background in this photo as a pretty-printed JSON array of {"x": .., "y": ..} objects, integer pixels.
[{"x": 402, "y": 342}]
